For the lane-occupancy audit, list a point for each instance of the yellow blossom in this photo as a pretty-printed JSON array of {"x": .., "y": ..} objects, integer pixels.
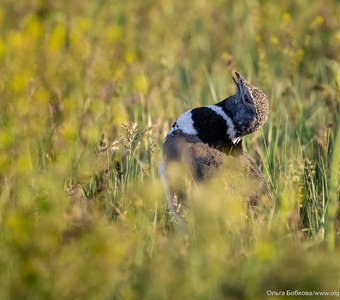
[
  {"x": 20, "y": 80},
  {"x": 129, "y": 56},
  {"x": 141, "y": 83},
  {"x": 113, "y": 33},
  {"x": 68, "y": 104},
  {"x": 57, "y": 38},
  {"x": 286, "y": 16},
  {"x": 34, "y": 29},
  {"x": 6, "y": 138},
  {"x": 83, "y": 24},
  {"x": 24, "y": 163},
  {"x": 274, "y": 40},
  {"x": 2, "y": 48},
  {"x": 318, "y": 20},
  {"x": 300, "y": 53},
  {"x": 16, "y": 40},
  {"x": 225, "y": 56},
  {"x": 41, "y": 95},
  {"x": 69, "y": 130},
  {"x": 265, "y": 251}
]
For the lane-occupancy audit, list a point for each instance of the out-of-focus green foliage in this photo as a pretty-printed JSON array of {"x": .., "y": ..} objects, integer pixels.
[{"x": 88, "y": 89}]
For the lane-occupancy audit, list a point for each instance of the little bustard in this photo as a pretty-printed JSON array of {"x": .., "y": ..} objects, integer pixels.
[{"x": 208, "y": 140}]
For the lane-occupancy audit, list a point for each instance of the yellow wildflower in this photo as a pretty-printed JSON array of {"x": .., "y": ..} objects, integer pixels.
[
  {"x": 141, "y": 83},
  {"x": 286, "y": 16},
  {"x": 274, "y": 40},
  {"x": 318, "y": 20}
]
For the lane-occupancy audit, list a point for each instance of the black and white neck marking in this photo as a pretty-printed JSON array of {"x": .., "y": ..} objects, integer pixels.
[{"x": 211, "y": 124}]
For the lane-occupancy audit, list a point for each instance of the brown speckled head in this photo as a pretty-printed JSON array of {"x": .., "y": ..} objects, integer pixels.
[{"x": 252, "y": 96}]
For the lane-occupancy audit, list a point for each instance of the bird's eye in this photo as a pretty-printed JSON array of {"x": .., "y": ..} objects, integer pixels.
[{"x": 247, "y": 99}]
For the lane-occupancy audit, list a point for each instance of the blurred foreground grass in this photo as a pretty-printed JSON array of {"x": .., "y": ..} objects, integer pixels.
[{"x": 87, "y": 92}]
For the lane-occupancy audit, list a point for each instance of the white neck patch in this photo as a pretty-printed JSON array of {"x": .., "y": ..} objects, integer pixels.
[
  {"x": 231, "y": 128},
  {"x": 185, "y": 124}
]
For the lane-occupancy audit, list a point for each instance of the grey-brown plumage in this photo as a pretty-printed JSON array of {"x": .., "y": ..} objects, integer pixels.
[{"x": 207, "y": 142}]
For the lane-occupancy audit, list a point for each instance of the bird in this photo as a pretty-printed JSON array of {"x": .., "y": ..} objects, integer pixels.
[{"x": 207, "y": 140}]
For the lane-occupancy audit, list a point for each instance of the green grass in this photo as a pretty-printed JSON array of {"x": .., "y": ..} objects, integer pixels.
[{"x": 88, "y": 91}]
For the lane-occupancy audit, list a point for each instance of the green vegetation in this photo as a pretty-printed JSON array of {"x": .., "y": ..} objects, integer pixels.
[{"x": 88, "y": 90}]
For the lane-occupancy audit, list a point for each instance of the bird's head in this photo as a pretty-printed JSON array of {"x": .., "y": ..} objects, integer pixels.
[{"x": 249, "y": 106}]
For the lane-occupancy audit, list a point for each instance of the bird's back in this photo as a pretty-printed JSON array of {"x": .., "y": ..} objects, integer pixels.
[{"x": 186, "y": 156}]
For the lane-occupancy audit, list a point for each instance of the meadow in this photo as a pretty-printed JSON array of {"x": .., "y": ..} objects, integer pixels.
[{"x": 89, "y": 89}]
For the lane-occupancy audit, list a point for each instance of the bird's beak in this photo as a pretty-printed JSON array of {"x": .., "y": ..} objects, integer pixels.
[
  {"x": 239, "y": 77},
  {"x": 237, "y": 81},
  {"x": 234, "y": 79}
]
